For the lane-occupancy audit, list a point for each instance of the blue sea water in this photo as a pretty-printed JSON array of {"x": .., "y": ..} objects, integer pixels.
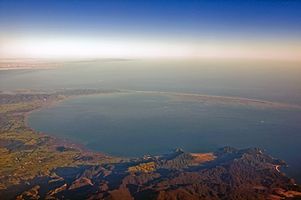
[{"x": 134, "y": 124}]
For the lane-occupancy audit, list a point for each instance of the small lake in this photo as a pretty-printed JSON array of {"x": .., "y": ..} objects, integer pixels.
[{"x": 134, "y": 124}]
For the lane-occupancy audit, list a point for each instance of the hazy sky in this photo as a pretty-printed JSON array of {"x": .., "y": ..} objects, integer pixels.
[{"x": 265, "y": 29}]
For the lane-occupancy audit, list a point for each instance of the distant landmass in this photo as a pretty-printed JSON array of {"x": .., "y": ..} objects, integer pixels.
[
  {"x": 36, "y": 166},
  {"x": 14, "y": 64}
]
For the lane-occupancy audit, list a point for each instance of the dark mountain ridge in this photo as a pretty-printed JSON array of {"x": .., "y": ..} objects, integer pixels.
[{"x": 229, "y": 174}]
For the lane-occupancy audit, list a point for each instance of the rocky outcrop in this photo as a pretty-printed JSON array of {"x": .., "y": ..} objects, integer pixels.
[{"x": 225, "y": 174}]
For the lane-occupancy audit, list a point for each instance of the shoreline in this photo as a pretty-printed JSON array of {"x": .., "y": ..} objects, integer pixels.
[
  {"x": 216, "y": 99},
  {"x": 48, "y": 163},
  {"x": 67, "y": 141},
  {"x": 222, "y": 99},
  {"x": 82, "y": 147}
]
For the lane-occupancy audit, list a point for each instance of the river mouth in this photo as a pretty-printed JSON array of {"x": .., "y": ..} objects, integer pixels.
[{"x": 138, "y": 123}]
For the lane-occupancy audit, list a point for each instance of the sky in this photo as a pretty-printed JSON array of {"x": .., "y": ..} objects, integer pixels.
[{"x": 249, "y": 29}]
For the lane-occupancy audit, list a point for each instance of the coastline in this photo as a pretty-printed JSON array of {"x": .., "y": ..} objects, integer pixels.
[
  {"x": 48, "y": 164},
  {"x": 58, "y": 140},
  {"x": 174, "y": 97},
  {"x": 222, "y": 99}
]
